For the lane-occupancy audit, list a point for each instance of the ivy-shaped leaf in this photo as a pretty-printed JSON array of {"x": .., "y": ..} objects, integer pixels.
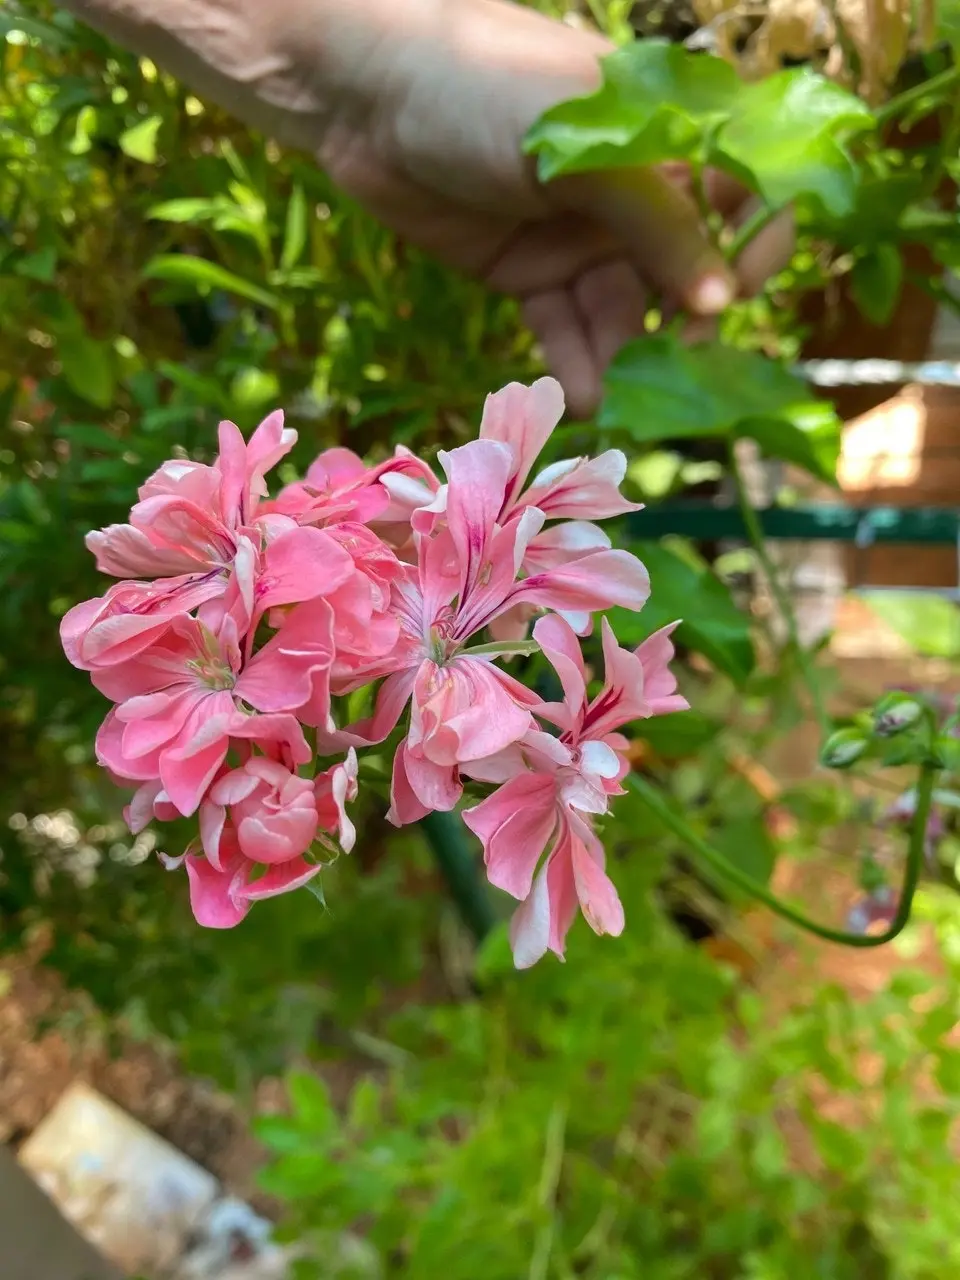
[
  {"x": 657, "y": 389},
  {"x": 786, "y": 139},
  {"x": 657, "y": 102}
]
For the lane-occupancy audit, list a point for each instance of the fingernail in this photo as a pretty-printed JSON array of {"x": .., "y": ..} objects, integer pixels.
[{"x": 712, "y": 295}]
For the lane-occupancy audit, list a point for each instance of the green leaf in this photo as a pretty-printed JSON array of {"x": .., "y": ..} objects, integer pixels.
[
  {"x": 840, "y": 1148},
  {"x": 297, "y": 1175},
  {"x": 680, "y": 733},
  {"x": 657, "y": 102},
  {"x": 658, "y": 389},
  {"x": 311, "y": 1101},
  {"x": 280, "y": 1133},
  {"x": 712, "y": 624},
  {"x": 295, "y": 234},
  {"x": 38, "y": 266},
  {"x": 204, "y": 276},
  {"x": 786, "y": 138},
  {"x": 139, "y": 142},
  {"x": 810, "y": 438},
  {"x": 887, "y": 207},
  {"x": 928, "y": 623},
  {"x": 187, "y": 209},
  {"x": 87, "y": 367},
  {"x": 875, "y": 283}
]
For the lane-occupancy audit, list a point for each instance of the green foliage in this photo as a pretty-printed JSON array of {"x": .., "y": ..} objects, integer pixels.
[
  {"x": 657, "y": 388},
  {"x": 683, "y": 587},
  {"x": 794, "y": 138},
  {"x": 875, "y": 282},
  {"x": 556, "y": 1125},
  {"x": 784, "y": 137}
]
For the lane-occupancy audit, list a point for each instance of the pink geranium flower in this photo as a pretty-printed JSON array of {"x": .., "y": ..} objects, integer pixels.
[
  {"x": 239, "y": 619},
  {"x": 551, "y": 785},
  {"x": 577, "y": 489},
  {"x": 189, "y": 513},
  {"x": 221, "y": 897},
  {"x": 339, "y": 487},
  {"x": 464, "y": 707},
  {"x": 188, "y": 529},
  {"x": 226, "y": 882},
  {"x": 177, "y": 700},
  {"x": 279, "y": 735},
  {"x": 366, "y": 629},
  {"x": 272, "y": 809}
]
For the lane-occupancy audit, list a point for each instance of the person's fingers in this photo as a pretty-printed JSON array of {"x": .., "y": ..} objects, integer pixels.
[
  {"x": 559, "y": 328},
  {"x": 724, "y": 194},
  {"x": 613, "y": 303},
  {"x": 768, "y": 253},
  {"x": 660, "y": 229},
  {"x": 558, "y": 249}
]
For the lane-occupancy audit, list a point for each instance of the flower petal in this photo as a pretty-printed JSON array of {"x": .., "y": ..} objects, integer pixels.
[
  {"x": 523, "y": 418},
  {"x": 215, "y": 895},
  {"x": 514, "y": 825}
]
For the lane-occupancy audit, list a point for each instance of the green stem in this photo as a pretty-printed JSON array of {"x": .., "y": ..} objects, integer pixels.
[
  {"x": 896, "y": 106},
  {"x": 712, "y": 858},
  {"x": 748, "y": 232},
  {"x": 708, "y": 215},
  {"x": 445, "y": 834},
  {"x": 755, "y": 534}
]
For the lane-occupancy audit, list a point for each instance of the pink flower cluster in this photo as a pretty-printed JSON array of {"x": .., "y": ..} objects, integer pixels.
[{"x": 243, "y": 621}]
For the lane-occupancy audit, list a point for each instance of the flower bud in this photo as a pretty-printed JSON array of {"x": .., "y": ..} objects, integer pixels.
[
  {"x": 843, "y": 748},
  {"x": 894, "y": 713}
]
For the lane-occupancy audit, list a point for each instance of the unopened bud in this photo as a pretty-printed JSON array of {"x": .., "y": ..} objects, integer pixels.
[
  {"x": 843, "y": 748},
  {"x": 894, "y": 713}
]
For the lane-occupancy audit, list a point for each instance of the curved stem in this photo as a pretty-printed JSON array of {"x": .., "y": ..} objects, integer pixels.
[
  {"x": 654, "y": 799},
  {"x": 784, "y": 604},
  {"x": 748, "y": 232},
  {"x": 708, "y": 216}
]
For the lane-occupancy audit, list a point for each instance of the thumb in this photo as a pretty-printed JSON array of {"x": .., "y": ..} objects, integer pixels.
[{"x": 660, "y": 229}]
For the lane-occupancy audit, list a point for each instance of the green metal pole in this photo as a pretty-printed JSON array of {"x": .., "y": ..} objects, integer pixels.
[{"x": 710, "y": 521}]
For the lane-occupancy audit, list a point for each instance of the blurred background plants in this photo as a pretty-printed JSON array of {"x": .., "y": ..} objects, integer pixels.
[{"x": 638, "y": 1111}]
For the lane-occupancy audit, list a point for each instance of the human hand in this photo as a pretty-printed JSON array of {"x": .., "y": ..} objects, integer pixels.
[
  {"x": 438, "y": 158},
  {"x": 418, "y": 109}
]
